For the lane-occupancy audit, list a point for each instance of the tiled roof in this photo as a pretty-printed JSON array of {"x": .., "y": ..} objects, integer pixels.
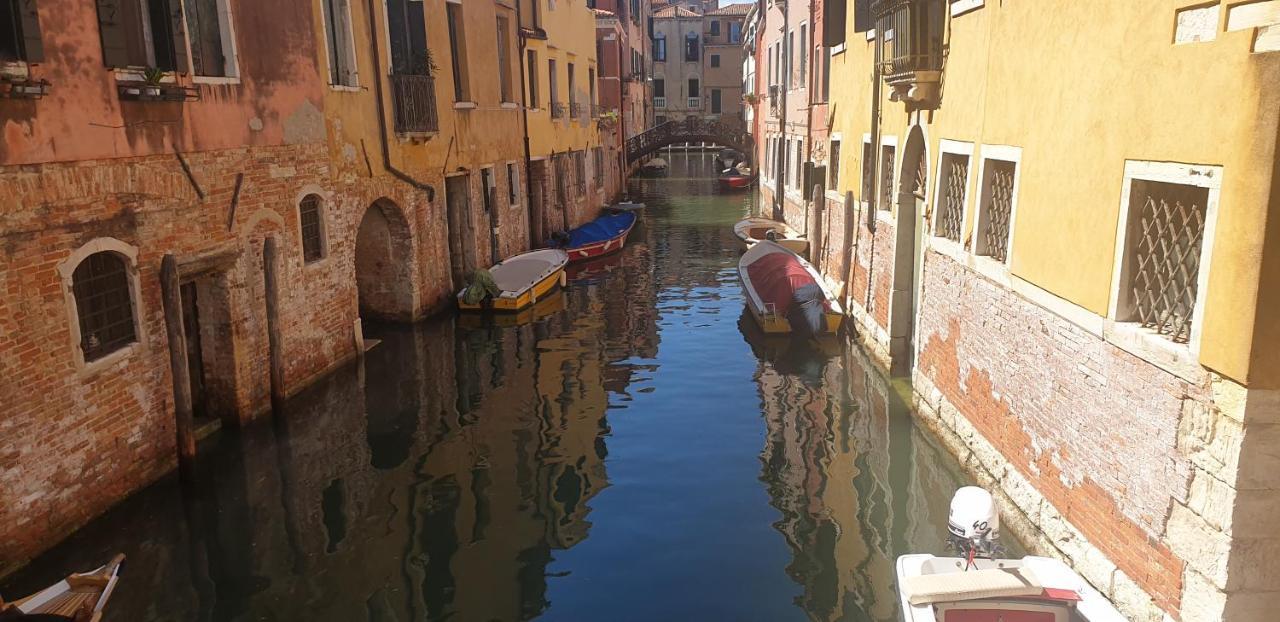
[
  {"x": 732, "y": 9},
  {"x": 603, "y": 13},
  {"x": 670, "y": 12}
]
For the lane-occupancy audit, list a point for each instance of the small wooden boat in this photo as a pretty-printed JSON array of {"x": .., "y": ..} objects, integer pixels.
[
  {"x": 79, "y": 597},
  {"x": 627, "y": 206},
  {"x": 785, "y": 293},
  {"x": 604, "y": 235},
  {"x": 978, "y": 586},
  {"x": 736, "y": 181},
  {"x": 755, "y": 228},
  {"x": 656, "y": 164},
  {"x": 515, "y": 282}
]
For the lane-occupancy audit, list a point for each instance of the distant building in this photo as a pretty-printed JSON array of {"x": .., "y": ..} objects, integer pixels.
[{"x": 697, "y": 63}]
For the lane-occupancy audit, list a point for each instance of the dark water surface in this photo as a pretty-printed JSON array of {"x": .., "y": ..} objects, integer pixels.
[{"x": 634, "y": 450}]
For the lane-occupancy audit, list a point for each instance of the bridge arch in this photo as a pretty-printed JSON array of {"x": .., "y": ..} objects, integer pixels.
[{"x": 731, "y": 134}]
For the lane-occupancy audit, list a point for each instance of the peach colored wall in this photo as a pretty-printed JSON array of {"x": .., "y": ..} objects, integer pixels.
[{"x": 82, "y": 117}]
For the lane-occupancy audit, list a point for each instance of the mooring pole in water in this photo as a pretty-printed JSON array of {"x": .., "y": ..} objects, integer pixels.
[
  {"x": 171, "y": 293},
  {"x": 269, "y": 267}
]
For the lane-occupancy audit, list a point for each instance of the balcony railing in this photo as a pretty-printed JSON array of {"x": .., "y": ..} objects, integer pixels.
[
  {"x": 659, "y": 102},
  {"x": 694, "y": 102},
  {"x": 413, "y": 100},
  {"x": 558, "y": 110},
  {"x": 913, "y": 59},
  {"x": 597, "y": 110},
  {"x": 576, "y": 110}
]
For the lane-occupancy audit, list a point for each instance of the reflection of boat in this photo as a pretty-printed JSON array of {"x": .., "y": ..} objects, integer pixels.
[
  {"x": 547, "y": 305},
  {"x": 604, "y": 235},
  {"x": 804, "y": 359},
  {"x": 78, "y": 597},
  {"x": 785, "y": 293},
  {"x": 736, "y": 181},
  {"x": 515, "y": 282},
  {"x": 656, "y": 164},
  {"x": 755, "y": 228},
  {"x": 593, "y": 269},
  {"x": 978, "y": 586}
]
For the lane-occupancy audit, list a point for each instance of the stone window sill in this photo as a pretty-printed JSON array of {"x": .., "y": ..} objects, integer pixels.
[
  {"x": 960, "y": 7},
  {"x": 1177, "y": 359},
  {"x": 92, "y": 368},
  {"x": 464, "y": 105},
  {"x": 215, "y": 80}
]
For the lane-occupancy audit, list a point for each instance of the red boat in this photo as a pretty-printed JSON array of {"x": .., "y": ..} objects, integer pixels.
[
  {"x": 601, "y": 236},
  {"x": 736, "y": 181}
]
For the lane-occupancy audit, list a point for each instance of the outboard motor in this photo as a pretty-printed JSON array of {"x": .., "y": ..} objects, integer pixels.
[
  {"x": 974, "y": 524},
  {"x": 806, "y": 314}
]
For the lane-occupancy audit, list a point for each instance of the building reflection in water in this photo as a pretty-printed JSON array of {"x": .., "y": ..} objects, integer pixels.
[{"x": 856, "y": 483}]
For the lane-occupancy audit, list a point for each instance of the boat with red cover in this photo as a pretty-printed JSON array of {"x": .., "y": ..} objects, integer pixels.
[
  {"x": 736, "y": 181},
  {"x": 785, "y": 293},
  {"x": 604, "y": 235}
]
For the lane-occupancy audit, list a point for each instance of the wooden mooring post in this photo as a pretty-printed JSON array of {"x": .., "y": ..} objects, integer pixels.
[
  {"x": 171, "y": 292},
  {"x": 270, "y": 265}
]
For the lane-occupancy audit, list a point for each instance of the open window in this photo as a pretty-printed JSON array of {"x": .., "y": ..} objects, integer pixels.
[
  {"x": 340, "y": 43},
  {"x": 212, "y": 40},
  {"x": 20, "y": 39}
]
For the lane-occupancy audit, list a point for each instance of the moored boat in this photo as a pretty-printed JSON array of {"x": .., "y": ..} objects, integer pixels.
[
  {"x": 515, "y": 282},
  {"x": 79, "y": 597},
  {"x": 785, "y": 293},
  {"x": 754, "y": 229},
  {"x": 736, "y": 181},
  {"x": 604, "y": 235},
  {"x": 978, "y": 586}
]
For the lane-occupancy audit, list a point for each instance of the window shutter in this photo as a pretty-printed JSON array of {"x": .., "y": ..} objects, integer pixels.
[
  {"x": 833, "y": 19},
  {"x": 862, "y": 18},
  {"x": 179, "y": 37},
  {"x": 32, "y": 45},
  {"x": 112, "y": 30}
]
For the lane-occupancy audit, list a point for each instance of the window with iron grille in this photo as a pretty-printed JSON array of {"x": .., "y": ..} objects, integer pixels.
[
  {"x": 1164, "y": 238},
  {"x": 953, "y": 184},
  {"x": 995, "y": 216},
  {"x": 104, "y": 304},
  {"x": 598, "y": 162},
  {"x": 580, "y": 171},
  {"x": 513, "y": 184},
  {"x": 312, "y": 230},
  {"x": 887, "y": 155}
]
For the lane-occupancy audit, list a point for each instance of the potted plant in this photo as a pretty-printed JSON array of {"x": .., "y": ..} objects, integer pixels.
[
  {"x": 152, "y": 77},
  {"x": 751, "y": 99}
]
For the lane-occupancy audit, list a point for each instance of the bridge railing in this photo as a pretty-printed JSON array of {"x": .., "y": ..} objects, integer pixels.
[{"x": 729, "y": 133}]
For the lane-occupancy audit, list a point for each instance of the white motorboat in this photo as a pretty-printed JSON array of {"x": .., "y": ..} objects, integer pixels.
[
  {"x": 979, "y": 587},
  {"x": 753, "y": 229}
]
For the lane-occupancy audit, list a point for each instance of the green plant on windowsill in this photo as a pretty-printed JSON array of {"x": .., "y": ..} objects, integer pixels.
[
  {"x": 608, "y": 119},
  {"x": 751, "y": 99}
]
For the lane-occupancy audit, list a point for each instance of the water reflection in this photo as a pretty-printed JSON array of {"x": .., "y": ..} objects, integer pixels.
[{"x": 631, "y": 449}]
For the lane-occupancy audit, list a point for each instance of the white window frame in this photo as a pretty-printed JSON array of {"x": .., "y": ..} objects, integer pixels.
[
  {"x": 955, "y": 148},
  {"x": 66, "y": 271},
  {"x": 960, "y": 7},
  {"x": 998, "y": 271},
  {"x": 887, "y": 140},
  {"x": 230, "y": 50},
  {"x": 834, "y": 194},
  {"x": 325, "y": 199},
  {"x": 1180, "y": 359},
  {"x": 351, "y": 49}
]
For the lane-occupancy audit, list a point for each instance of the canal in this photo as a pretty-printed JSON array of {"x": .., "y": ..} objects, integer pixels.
[{"x": 632, "y": 449}]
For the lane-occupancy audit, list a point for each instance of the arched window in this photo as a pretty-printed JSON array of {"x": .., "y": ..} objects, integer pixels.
[
  {"x": 104, "y": 304},
  {"x": 312, "y": 228}
]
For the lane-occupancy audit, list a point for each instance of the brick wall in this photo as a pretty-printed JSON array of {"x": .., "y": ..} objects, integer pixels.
[
  {"x": 1090, "y": 426},
  {"x": 74, "y": 439}
]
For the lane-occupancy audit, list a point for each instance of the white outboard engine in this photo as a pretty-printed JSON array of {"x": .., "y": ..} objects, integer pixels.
[{"x": 974, "y": 524}]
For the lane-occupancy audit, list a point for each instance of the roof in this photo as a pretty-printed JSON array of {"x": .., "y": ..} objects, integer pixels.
[
  {"x": 736, "y": 10},
  {"x": 603, "y": 13},
  {"x": 672, "y": 12}
]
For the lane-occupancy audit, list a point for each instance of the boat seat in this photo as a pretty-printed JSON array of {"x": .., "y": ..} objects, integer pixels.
[{"x": 971, "y": 585}]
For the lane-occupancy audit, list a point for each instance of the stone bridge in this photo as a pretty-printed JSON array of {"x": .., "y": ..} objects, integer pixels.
[{"x": 732, "y": 134}]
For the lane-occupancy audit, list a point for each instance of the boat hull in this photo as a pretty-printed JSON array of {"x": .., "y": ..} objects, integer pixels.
[
  {"x": 599, "y": 249},
  {"x": 522, "y": 281},
  {"x": 750, "y": 231},
  {"x": 736, "y": 182},
  {"x": 772, "y": 320}
]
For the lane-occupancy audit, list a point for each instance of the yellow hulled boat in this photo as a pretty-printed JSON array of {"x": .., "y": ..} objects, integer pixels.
[
  {"x": 785, "y": 293},
  {"x": 516, "y": 282}
]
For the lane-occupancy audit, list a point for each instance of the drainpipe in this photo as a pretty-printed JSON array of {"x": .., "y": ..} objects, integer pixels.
[
  {"x": 622, "y": 110},
  {"x": 808, "y": 129},
  {"x": 779, "y": 212},
  {"x": 535, "y": 229},
  {"x": 382, "y": 113}
]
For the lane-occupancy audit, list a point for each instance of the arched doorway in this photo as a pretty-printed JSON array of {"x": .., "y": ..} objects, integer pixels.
[
  {"x": 908, "y": 253},
  {"x": 384, "y": 264}
]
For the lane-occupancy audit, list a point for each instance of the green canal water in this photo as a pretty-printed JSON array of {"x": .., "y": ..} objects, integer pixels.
[{"x": 632, "y": 449}]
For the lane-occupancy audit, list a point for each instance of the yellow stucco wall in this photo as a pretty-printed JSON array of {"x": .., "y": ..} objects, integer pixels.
[
  {"x": 1081, "y": 88},
  {"x": 571, "y": 38}
]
